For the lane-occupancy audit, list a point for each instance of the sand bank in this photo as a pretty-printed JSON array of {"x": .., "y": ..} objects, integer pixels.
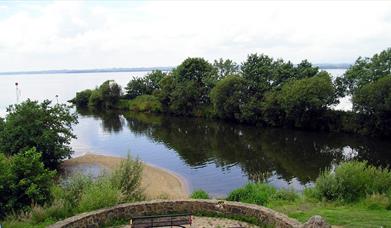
[{"x": 158, "y": 183}]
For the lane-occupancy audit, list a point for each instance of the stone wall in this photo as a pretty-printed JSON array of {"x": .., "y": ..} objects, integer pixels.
[{"x": 127, "y": 211}]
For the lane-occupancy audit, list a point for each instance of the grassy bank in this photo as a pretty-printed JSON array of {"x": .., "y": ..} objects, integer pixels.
[{"x": 355, "y": 194}]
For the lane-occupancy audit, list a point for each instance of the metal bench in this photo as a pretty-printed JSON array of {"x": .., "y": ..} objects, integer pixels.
[{"x": 161, "y": 220}]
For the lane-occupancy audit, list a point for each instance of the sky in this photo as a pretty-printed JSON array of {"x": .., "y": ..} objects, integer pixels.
[{"x": 49, "y": 35}]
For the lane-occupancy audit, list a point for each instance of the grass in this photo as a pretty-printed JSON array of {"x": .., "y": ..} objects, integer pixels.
[
  {"x": 352, "y": 215},
  {"x": 81, "y": 194},
  {"x": 199, "y": 194}
]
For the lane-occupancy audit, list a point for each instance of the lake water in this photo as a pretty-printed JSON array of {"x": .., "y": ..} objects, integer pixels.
[{"x": 213, "y": 155}]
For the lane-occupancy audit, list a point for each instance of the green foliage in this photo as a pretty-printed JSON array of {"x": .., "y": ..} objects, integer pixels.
[
  {"x": 228, "y": 97},
  {"x": 377, "y": 202},
  {"x": 82, "y": 98},
  {"x": 127, "y": 178},
  {"x": 24, "y": 181},
  {"x": 352, "y": 181},
  {"x": 225, "y": 68},
  {"x": 373, "y": 101},
  {"x": 100, "y": 194},
  {"x": 106, "y": 95},
  {"x": 199, "y": 194},
  {"x": 266, "y": 92},
  {"x": 300, "y": 103},
  {"x": 145, "y": 103},
  {"x": 46, "y": 127},
  {"x": 75, "y": 194},
  {"x": 253, "y": 193},
  {"x": 184, "y": 99},
  {"x": 145, "y": 85},
  {"x": 366, "y": 70},
  {"x": 196, "y": 75}
]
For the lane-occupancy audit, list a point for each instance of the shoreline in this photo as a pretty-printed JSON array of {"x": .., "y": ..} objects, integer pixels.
[{"x": 157, "y": 182}]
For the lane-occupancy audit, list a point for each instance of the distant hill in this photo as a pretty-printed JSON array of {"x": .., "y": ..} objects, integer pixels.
[
  {"x": 142, "y": 69},
  {"x": 103, "y": 70}
]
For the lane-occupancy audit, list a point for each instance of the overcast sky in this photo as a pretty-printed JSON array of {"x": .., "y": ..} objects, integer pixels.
[{"x": 87, "y": 34}]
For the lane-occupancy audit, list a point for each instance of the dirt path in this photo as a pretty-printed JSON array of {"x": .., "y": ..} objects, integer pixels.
[{"x": 158, "y": 183}]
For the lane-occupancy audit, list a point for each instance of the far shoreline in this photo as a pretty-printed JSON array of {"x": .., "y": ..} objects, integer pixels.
[{"x": 158, "y": 182}]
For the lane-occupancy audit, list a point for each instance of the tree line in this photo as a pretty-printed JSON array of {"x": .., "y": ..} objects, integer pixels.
[{"x": 263, "y": 91}]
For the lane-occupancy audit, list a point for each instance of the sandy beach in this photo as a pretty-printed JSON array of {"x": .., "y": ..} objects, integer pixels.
[{"x": 158, "y": 183}]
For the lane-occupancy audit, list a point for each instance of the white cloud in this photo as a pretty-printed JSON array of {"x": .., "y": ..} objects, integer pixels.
[{"x": 154, "y": 33}]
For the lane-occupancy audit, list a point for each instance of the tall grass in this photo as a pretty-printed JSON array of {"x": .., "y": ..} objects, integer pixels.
[
  {"x": 261, "y": 194},
  {"x": 353, "y": 181},
  {"x": 199, "y": 194},
  {"x": 80, "y": 193}
]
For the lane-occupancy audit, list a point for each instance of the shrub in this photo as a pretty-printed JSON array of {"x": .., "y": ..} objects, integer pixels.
[
  {"x": 352, "y": 181},
  {"x": 82, "y": 98},
  {"x": 24, "y": 181},
  {"x": 285, "y": 195},
  {"x": 46, "y": 127},
  {"x": 253, "y": 193},
  {"x": 199, "y": 194},
  {"x": 127, "y": 178},
  {"x": 145, "y": 103},
  {"x": 72, "y": 189},
  {"x": 100, "y": 194}
]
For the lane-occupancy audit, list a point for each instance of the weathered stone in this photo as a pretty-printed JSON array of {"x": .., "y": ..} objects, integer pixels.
[
  {"x": 316, "y": 222},
  {"x": 127, "y": 211}
]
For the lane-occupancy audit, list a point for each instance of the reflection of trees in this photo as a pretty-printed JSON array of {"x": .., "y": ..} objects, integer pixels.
[
  {"x": 111, "y": 121},
  {"x": 259, "y": 152}
]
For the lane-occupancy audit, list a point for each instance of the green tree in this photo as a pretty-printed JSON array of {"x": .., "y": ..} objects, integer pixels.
[
  {"x": 365, "y": 70},
  {"x": 225, "y": 67},
  {"x": 110, "y": 93},
  {"x": 304, "y": 100},
  {"x": 41, "y": 125},
  {"x": 82, "y": 98},
  {"x": 25, "y": 181},
  {"x": 136, "y": 87},
  {"x": 228, "y": 97},
  {"x": 373, "y": 102},
  {"x": 185, "y": 98}
]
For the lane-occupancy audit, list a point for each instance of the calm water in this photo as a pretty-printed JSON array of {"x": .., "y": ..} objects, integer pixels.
[{"x": 212, "y": 155}]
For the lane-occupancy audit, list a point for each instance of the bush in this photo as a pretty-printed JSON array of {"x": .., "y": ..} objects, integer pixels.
[
  {"x": 100, "y": 194},
  {"x": 199, "y": 194},
  {"x": 145, "y": 103},
  {"x": 82, "y": 98},
  {"x": 127, "y": 178},
  {"x": 46, "y": 127},
  {"x": 253, "y": 193},
  {"x": 24, "y": 181},
  {"x": 352, "y": 181}
]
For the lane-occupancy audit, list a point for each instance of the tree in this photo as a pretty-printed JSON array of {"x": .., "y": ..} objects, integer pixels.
[
  {"x": 365, "y": 70},
  {"x": 24, "y": 181},
  {"x": 43, "y": 126},
  {"x": 145, "y": 85},
  {"x": 225, "y": 68},
  {"x": 110, "y": 93},
  {"x": 305, "y": 70},
  {"x": 302, "y": 100},
  {"x": 192, "y": 79},
  {"x": 228, "y": 97},
  {"x": 82, "y": 98},
  {"x": 373, "y": 101},
  {"x": 152, "y": 80}
]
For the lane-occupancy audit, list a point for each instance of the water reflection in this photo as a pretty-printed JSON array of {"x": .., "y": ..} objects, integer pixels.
[{"x": 263, "y": 154}]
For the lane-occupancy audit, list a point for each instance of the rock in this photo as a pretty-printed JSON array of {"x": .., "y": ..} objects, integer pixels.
[{"x": 316, "y": 221}]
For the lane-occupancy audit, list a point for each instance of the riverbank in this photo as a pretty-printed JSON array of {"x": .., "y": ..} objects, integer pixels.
[{"x": 158, "y": 183}]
